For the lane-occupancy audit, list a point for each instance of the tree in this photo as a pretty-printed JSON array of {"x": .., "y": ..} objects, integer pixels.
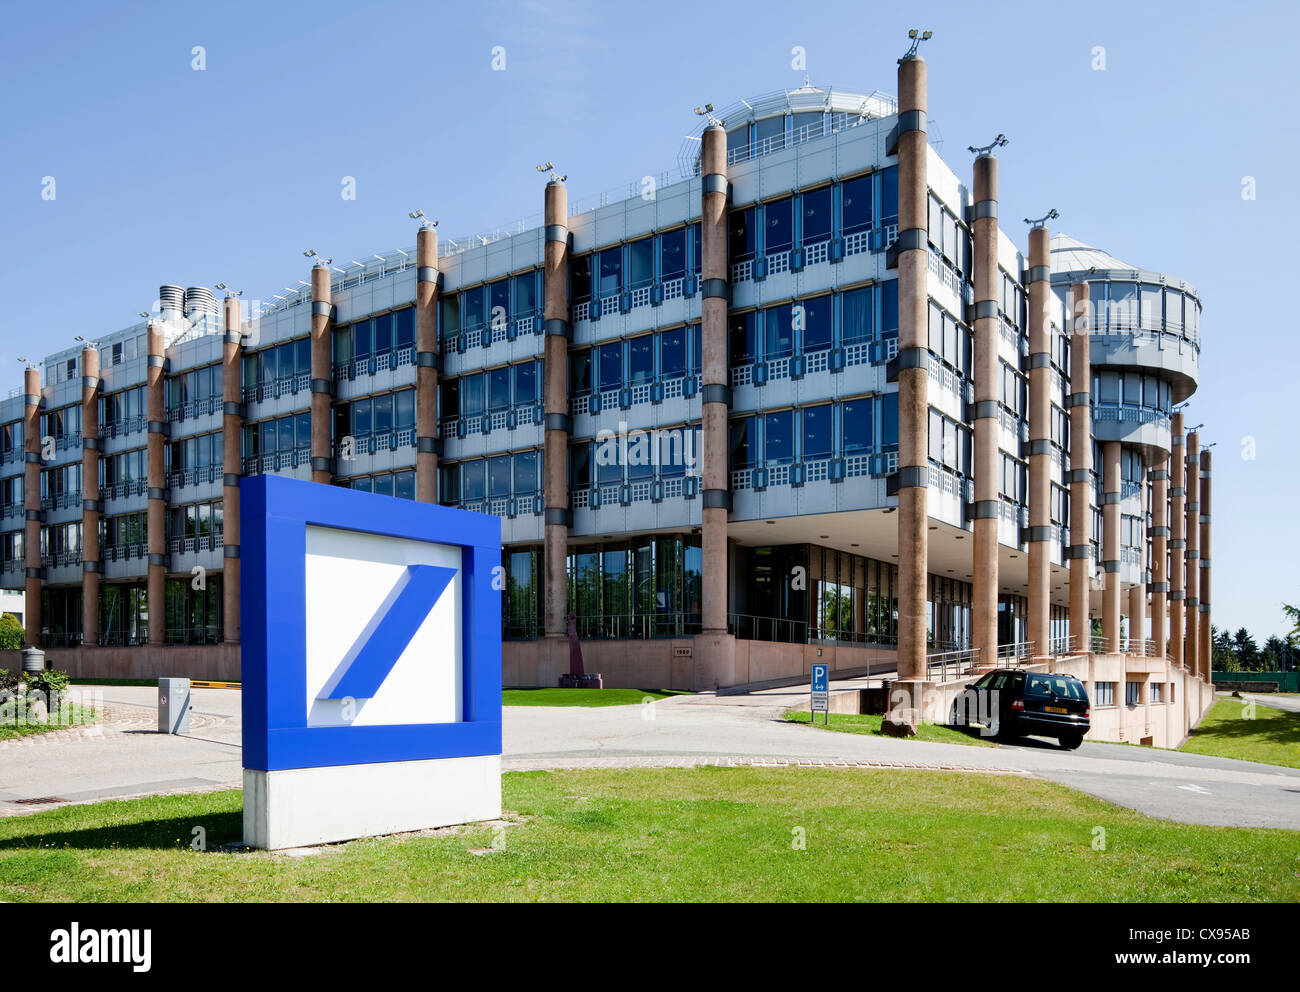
[
  {"x": 1247, "y": 651},
  {"x": 12, "y": 634},
  {"x": 1224, "y": 654},
  {"x": 1276, "y": 653},
  {"x": 1292, "y": 613}
]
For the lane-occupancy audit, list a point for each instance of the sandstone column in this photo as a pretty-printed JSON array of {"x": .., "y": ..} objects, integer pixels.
[
  {"x": 426, "y": 357},
  {"x": 232, "y": 429},
  {"x": 157, "y": 439},
  {"x": 1205, "y": 653},
  {"x": 1080, "y": 477},
  {"x": 91, "y": 564},
  {"x": 1192, "y": 643},
  {"x": 558, "y": 422},
  {"x": 322, "y": 385},
  {"x": 1177, "y": 541},
  {"x": 715, "y": 652},
  {"x": 1040, "y": 441},
  {"x": 33, "y": 515},
  {"x": 1110, "y": 545},
  {"x": 1160, "y": 556},
  {"x": 988, "y": 390},
  {"x": 913, "y": 373}
]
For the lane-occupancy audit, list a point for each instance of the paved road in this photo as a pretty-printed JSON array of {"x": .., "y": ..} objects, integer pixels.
[
  {"x": 1289, "y": 703},
  {"x": 128, "y": 759}
]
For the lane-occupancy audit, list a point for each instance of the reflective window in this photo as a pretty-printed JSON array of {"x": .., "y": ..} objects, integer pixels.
[
  {"x": 817, "y": 431},
  {"x": 741, "y": 240},
  {"x": 672, "y": 255},
  {"x": 778, "y": 226},
  {"x": 816, "y": 215},
  {"x": 611, "y": 365},
  {"x": 672, "y": 353},
  {"x": 743, "y": 442},
  {"x": 641, "y": 263},
  {"x": 857, "y": 416},
  {"x": 778, "y": 437},
  {"x": 855, "y": 209},
  {"x": 611, "y": 272},
  {"x": 640, "y": 359}
]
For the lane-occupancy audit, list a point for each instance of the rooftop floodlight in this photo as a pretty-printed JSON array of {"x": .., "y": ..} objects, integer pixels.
[
  {"x": 424, "y": 221},
  {"x": 144, "y": 314},
  {"x": 1196, "y": 428},
  {"x": 707, "y": 111},
  {"x": 1042, "y": 221},
  {"x": 229, "y": 291},
  {"x": 1001, "y": 141},
  {"x": 549, "y": 167},
  {"x": 917, "y": 37},
  {"x": 313, "y": 253},
  {"x": 79, "y": 338}
]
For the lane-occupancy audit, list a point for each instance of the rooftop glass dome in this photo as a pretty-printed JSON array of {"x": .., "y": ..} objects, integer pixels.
[{"x": 785, "y": 118}]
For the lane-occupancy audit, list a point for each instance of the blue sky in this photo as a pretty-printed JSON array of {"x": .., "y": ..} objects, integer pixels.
[{"x": 167, "y": 174}]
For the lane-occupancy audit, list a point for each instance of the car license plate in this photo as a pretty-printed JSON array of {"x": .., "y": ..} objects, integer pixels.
[{"x": 1055, "y": 709}]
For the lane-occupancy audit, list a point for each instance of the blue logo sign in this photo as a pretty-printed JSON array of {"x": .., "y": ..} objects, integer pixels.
[{"x": 371, "y": 628}]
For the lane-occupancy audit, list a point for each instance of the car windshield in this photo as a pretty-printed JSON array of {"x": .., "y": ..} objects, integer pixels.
[{"x": 1057, "y": 685}]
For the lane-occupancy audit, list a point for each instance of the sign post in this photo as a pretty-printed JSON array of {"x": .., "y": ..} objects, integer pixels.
[
  {"x": 821, "y": 691},
  {"x": 371, "y": 664}
]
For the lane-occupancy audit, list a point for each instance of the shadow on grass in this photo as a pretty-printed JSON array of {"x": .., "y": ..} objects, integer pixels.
[
  {"x": 175, "y": 833},
  {"x": 1270, "y": 726}
]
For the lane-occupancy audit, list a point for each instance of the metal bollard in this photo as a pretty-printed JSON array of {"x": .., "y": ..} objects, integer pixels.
[{"x": 173, "y": 706}]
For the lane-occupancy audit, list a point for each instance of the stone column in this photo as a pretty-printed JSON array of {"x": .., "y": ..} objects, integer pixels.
[
  {"x": 715, "y": 654},
  {"x": 1159, "y": 534},
  {"x": 1192, "y": 643},
  {"x": 913, "y": 373},
  {"x": 988, "y": 390},
  {"x": 92, "y": 566},
  {"x": 1040, "y": 441},
  {"x": 1137, "y": 594},
  {"x": 1205, "y": 653},
  {"x": 426, "y": 357},
  {"x": 1177, "y": 540},
  {"x": 157, "y": 532},
  {"x": 558, "y": 421},
  {"x": 1080, "y": 477},
  {"x": 32, "y": 505},
  {"x": 1110, "y": 544},
  {"x": 232, "y": 468},
  {"x": 322, "y": 383}
]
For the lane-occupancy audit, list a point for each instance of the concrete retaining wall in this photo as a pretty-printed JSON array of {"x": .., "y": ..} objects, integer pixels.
[{"x": 215, "y": 662}]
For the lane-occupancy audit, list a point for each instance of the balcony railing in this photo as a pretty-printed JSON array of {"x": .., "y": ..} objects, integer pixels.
[{"x": 641, "y": 626}]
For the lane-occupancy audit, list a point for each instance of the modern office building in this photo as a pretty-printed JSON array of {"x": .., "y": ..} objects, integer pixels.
[{"x": 804, "y": 399}]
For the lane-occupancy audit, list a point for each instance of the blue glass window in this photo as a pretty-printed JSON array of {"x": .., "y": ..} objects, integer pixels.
[
  {"x": 858, "y": 424},
  {"x": 817, "y": 323},
  {"x": 816, "y": 210},
  {"x": 499, "y": 388},
  {"x": 672, "y": 255},
  {"x": 778, "y": 332},
  {"x": 641, "y": 263},
  {"x": 856, "y": 207},
  {"x": 818, "y": 432},
  {"x": 672, "y": 353},
  {"x": 640, "y": 359},
  {"x": 742, "y": 235},
  {"x": 526, "y": 294},
  {"x": 778, "y": 226},
  {"x": 744, "y": 442},
  {"x": 611, "y": 272},
  {"x": 525, "y": 473},
  {"x": 778, "y": 437},
  {"x": 611, "y": 365},
  {"x": 525, "y": 384},
  {"x": 744, "y": 338}
]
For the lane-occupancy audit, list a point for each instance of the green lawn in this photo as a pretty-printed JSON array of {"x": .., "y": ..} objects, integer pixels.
[
  {"x": 68, "y": 715},
  {"x": 1273, "y": 736},
  {"x": 580, "y": 697},
  {"x": 729, "y": 834},
  {"x": 853, "y": 723}
]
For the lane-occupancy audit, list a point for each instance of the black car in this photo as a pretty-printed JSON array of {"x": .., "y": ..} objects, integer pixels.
[{"x": 1014, "y": 703}]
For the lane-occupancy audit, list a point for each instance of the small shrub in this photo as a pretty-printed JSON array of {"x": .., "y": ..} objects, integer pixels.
[{"x": 12, "y": 634}]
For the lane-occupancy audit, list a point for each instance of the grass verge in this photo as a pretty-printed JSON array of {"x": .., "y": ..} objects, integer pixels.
[
  {"x": 705, "y": 834},
  {"x": 1272, "y": 736},
  {"x": 68, "y": 715},
  {"x": 855, "y": 723}
]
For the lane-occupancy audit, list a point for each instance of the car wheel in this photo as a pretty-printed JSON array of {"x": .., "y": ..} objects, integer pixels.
[{"x": 1071, "y": 742}]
